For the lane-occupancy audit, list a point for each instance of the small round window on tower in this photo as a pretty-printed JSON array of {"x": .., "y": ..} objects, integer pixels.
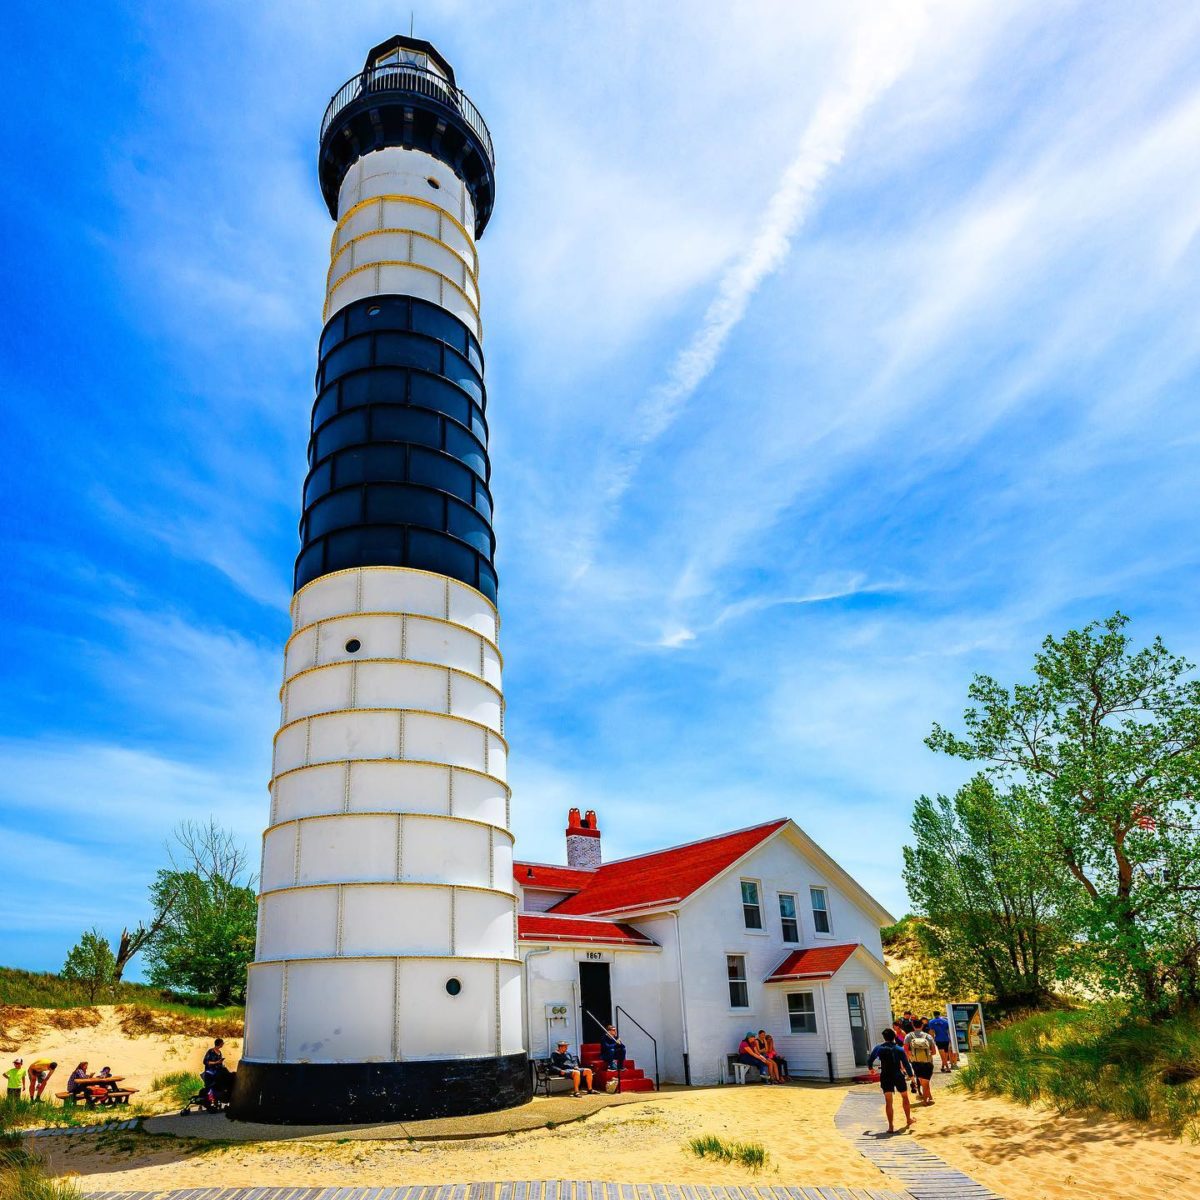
[
  {"x": 433, "y": 183},
  {"x": 353, "y": 646},
  {"x": 453, "y": 986},
  {"x": 374, "y": 310}
]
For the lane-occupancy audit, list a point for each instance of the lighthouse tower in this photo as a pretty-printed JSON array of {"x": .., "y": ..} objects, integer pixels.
[{"x": 386, "y": 983}]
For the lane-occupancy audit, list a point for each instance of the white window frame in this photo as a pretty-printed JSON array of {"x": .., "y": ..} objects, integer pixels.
[
  {"x": 730, "y": 981},
  {"x": 813, "y": 888},
  {"x": 794, "y": 918},
  {"x": 758, "y": 891},
  {"x": 812, "y": 997}
]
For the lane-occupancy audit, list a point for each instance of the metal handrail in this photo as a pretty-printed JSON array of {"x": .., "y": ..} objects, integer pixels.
[
  {"x": 653, "y": 1039},
  {"x": 406, "y": 77}
]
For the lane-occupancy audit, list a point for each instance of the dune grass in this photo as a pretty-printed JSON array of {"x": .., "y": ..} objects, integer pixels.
[
  {"x": 752, "y": 1155},
  {"x": 23, "y": 1175},
  {"x": 42, "y": 989},
  {"x": 1103, "y": 1058},
  {"x": 181, "y": 1085}
]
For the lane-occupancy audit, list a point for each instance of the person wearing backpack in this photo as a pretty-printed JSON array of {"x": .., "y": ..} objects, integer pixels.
[
  {"x": 893, "y": 1067},
  {"x": 921, "y": 1051}
]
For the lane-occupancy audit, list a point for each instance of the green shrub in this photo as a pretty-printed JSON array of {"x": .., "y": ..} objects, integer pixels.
[
  {"x": 752, "y": 1155},
  {"x": 39, "y": 989},
  {"x": 1103, "y": 1058}
]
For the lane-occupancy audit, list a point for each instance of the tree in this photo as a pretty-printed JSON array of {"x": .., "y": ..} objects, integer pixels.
[
  {"x": 992, "y": 905},
  {"x": 90, "y": 963},
  {"x": 205, "y": 911},
  {"x": 1106, "y": 743}
]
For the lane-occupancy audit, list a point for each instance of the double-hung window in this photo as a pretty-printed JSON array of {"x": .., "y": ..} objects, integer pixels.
[
  {"x": 751, "y": 908},
  {"x": 820, "y": 909},
  {"x": 787, "y": 917},
  {"x": 802, "y": 1012},
  {"x": 739, "y": 993}
]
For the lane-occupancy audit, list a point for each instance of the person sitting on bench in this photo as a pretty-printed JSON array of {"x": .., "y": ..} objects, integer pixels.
[
  {"x": 74, "y": 1087},
  {"x": 612, "y": 1049},
  {"x": 564, "y": 1063},
  {"x": 749, "y": 1053}
]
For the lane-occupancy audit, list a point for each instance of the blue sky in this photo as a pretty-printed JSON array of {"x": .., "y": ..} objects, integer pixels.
[{"x": 835, "y": 352}]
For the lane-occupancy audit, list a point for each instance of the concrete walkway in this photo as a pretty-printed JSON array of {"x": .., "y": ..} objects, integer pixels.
[
  {"x": 549, "y": 1190},
  {"x": 539, "y": 1113},
  {"x": 900, "y": 1155}
]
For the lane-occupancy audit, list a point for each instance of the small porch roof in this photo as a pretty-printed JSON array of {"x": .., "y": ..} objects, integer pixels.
[{"x": 818, "y": 962}]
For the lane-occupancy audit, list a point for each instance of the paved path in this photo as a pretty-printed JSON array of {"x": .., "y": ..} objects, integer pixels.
[
  {"x": 923, "y": 1173},
  {"x": 551, "y": 1190}
]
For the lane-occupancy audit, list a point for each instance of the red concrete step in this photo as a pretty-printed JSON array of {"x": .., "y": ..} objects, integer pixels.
[{"x": 636, "y": 1085}]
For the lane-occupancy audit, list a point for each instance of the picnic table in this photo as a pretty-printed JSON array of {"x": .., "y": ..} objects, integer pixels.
[{"x": 83, "y": 1091}]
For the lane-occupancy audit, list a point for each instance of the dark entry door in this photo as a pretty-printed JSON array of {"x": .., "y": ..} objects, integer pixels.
[
  {"x": 595, "y": 997},
  {"x": 858, "y": 1027}
]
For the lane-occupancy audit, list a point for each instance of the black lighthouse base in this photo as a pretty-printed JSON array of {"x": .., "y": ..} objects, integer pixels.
[{"x": 353, "y": 1093}]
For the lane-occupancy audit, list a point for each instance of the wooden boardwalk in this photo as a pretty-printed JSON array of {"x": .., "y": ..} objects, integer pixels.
[
  {"x": 920, "y": 1171},
  {"x": 550, "y": 1190}
]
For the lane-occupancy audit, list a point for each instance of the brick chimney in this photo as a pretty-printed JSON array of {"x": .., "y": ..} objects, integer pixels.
[{"x": 583, "y": 840}]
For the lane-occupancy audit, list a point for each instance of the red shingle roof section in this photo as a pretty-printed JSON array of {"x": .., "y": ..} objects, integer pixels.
[
  {"x": 817, "y": 962},
  {"x": 557, "y": 879},
  {"x": 664, "y": 877},
  {"x": 545, "y": 927}
]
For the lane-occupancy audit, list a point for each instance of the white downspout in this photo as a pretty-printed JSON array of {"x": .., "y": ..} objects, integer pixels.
[
  {"x": 687, "y": 1070},
  {"x": 828, "y": 1033}
]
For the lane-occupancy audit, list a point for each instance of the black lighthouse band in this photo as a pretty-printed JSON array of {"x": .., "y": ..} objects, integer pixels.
[{"x": 398, "y": 453}]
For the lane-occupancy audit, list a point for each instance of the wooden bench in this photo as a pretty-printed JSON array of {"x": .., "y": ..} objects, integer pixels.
[{"x": 116, "y": 1096}]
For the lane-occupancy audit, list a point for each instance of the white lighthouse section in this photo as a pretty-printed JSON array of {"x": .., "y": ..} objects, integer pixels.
[
  {"x": 404, "y": 222},
  {"x": 387, "y": 915}
]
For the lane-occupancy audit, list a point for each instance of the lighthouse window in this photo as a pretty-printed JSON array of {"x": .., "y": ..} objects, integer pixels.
[
  {"x": 433, "y": 183},
  {"x": 353, "y": 646},
  {"x": 482, "y": 501},
  {"x": 453, "y": 986}
]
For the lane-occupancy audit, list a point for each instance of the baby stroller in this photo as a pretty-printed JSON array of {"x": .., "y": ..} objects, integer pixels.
[{"x": 214, "y": 1095}]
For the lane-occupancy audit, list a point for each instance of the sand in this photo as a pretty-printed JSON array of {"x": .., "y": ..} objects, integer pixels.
[
  {"x": 95, "y": 1035},
  {"x": 1037, "y": 1154},
  {"x": 632, "y": 1143},
  {"x": 1021, "y": 1153}
]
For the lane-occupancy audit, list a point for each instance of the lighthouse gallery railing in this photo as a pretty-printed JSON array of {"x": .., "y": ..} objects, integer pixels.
[{"x": 408, "y": 78}]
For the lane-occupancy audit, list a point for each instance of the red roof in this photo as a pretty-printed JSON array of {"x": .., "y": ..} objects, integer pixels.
[
  {"x": 662, "y": 878},
  {"x": 552, "y": 878},
  {"x": 817, "y": 962},
  {"x": 543, "y": 927}
]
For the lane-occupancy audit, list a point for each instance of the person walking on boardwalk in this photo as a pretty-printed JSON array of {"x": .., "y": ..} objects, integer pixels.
[
  {"x": 921, "y": 1052},
  {"x": 893, "y": 1067}
]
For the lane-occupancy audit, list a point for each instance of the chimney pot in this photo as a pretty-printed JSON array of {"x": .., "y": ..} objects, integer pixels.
[{"x": 583, "y": 840}]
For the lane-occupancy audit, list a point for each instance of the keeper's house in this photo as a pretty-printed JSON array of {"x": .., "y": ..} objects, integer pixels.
[{"x": 691, "y": 946}]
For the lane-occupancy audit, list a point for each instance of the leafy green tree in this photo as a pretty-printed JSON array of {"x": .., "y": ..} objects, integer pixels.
[
  {"x": 90, "y": 963},
  {"x": 205, "y": 912},
  {"x": 992, "y": 906},
  {"x": 1105, "y": 742}
]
